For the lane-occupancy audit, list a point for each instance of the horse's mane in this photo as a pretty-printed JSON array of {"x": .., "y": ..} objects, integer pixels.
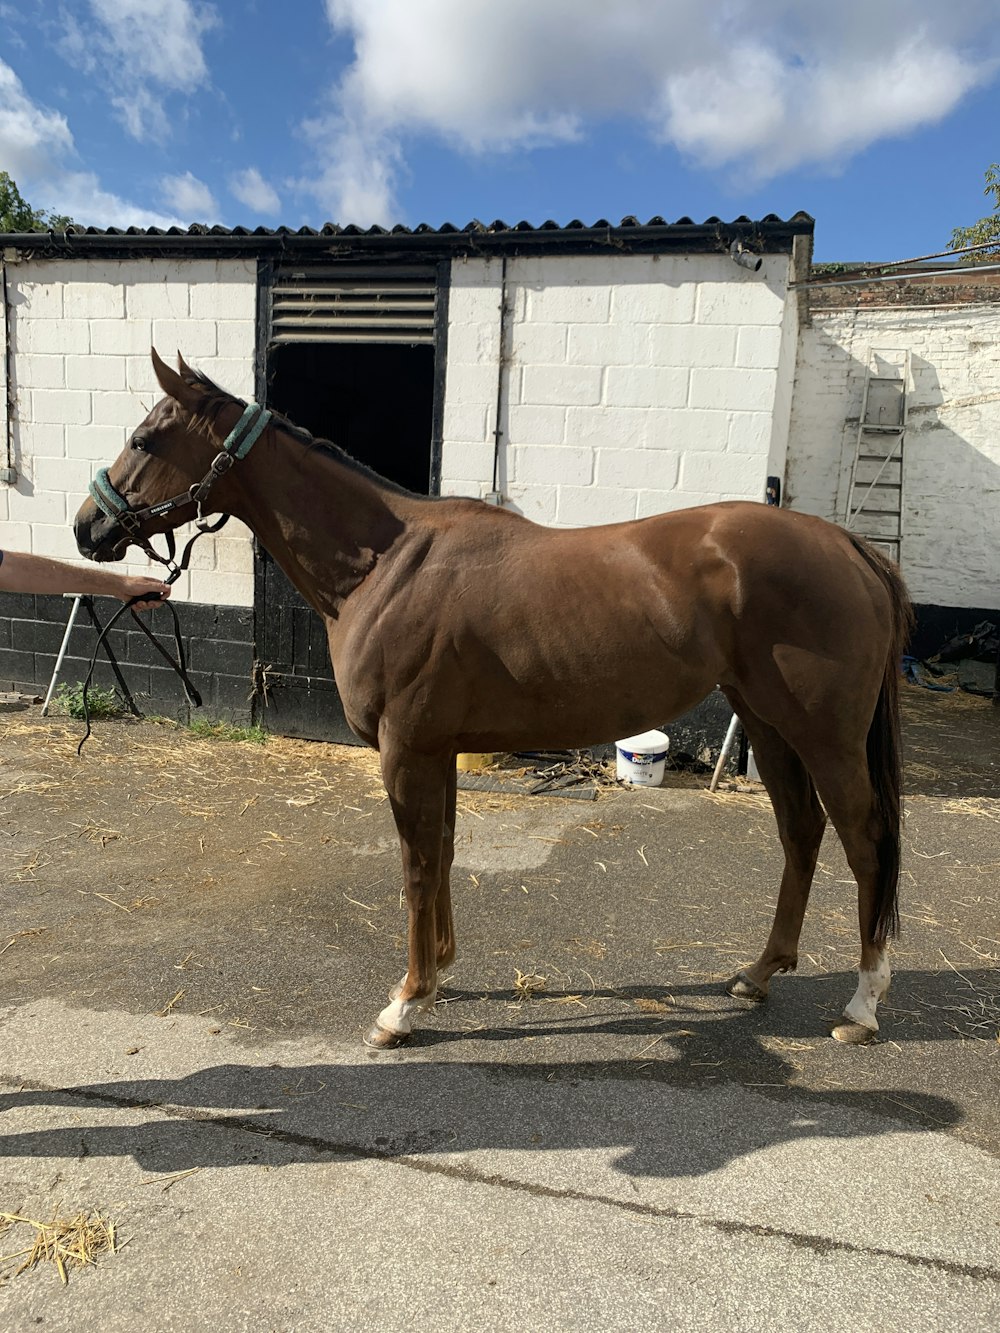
[{"x": 218, "y": 399}]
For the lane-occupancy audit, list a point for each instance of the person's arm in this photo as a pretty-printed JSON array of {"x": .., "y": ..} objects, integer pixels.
[{"x": 37, "y": 573}]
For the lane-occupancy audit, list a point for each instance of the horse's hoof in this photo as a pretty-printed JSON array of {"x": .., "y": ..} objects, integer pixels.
[
  {"x": 853, "y": 1034},
  {"x": 742, "y": 987},
  {"x": 383, "y": 1039}
]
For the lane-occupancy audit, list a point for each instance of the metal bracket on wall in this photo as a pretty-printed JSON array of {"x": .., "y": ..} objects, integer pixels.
[{"x": 263, "y": 680}]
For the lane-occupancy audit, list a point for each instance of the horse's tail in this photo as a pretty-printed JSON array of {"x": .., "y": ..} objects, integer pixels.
[{"x": 885, "y": 755}]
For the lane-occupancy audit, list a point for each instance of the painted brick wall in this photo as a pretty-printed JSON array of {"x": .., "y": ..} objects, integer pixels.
[
  {"x": 631, "y": 385},
  {"x": 80, "y": 336},
  {"x": 952, "y": 448}
]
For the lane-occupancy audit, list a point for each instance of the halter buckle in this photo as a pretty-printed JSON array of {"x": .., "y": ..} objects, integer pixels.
[{"x": 222, "y": 462}]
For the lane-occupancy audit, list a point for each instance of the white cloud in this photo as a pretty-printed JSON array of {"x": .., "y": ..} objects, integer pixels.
[
  {"x": 32, "y": 138},
  {"x": 80, "y": 196},
  {"x": 158, "y": 39},
  {"x": 154, "y": 47},
  {"x": 752, "y": 87},
  {"x": 190, "y": 197},
  {"x": 359, "y": 169},
  {"x": 37, "y": 149},
  {"x": 768, "y": 117},
  {"x": 251, "y": 189}
]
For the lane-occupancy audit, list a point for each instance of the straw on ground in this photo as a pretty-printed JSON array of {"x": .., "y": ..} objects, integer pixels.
[{"x": 64, "y": 1242}]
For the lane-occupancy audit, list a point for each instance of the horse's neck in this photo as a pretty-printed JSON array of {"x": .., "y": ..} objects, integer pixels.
[{"x": 324, "y": 522}]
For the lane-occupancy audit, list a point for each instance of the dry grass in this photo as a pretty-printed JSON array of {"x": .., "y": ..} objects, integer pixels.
[
  {"x": 94, "y": 832},
  {"x": 65, "y": 1243},
  {"x": 977, "y": 1013},
  {"x": 739, "y": 791},
  {"x": 959, "y": 701},
  {"x": 528, "y": 984},
  {"x": 981, "y": 807}
]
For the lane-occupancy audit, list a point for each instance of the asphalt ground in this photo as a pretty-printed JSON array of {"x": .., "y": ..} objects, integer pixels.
[{"x": 587, "y": 1133}]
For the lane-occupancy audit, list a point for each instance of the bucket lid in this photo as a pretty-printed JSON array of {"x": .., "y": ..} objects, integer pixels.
[{"x": 648, "y": 742}]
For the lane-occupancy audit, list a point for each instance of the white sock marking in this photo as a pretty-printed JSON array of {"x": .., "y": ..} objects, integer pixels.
[
  {"x": 872, "y": 986},
  {"x": 397, "y": 1015}
]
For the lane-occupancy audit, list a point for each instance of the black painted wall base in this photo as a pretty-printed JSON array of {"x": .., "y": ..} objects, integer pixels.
[{"x": 218, "y": 643}]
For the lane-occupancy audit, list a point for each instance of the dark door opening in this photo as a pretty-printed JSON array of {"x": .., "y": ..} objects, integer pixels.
[{"x": 375, "y": 400}]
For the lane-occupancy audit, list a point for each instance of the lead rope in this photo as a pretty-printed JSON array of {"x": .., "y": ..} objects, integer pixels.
[
  {"x": 235, "y": 447},
  {"x": 177, "y": 567},
  {"x": 179, "y": 663}
]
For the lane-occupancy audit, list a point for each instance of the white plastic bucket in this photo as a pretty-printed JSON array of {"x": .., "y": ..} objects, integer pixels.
[{"x": 642, "y": 760}]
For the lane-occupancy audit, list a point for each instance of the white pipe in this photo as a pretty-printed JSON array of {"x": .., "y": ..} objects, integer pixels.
[
  {"x": 62, "y": 654},
  {"x": 727, "y": 745}
]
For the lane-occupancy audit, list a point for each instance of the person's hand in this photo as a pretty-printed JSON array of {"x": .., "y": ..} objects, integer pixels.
[{"x": 139, "y": 584}]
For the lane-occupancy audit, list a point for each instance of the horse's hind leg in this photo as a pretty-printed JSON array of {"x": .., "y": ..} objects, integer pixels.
[
  {"x": 801, "y": 823},
  {"x": 445, "y": 929},
  {"x": 846, "y": 790}
]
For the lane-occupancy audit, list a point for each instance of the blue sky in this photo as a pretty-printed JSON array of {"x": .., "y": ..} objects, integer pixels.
[{"x": 877, "y": 117}]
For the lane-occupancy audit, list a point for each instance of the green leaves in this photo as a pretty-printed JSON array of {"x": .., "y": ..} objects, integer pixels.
[
  {"x": 987, "y": 230},
  {"x": 16, "y": 214}
]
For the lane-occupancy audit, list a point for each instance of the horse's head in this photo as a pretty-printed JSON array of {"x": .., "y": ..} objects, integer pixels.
[{"x": 149, "y": 487}]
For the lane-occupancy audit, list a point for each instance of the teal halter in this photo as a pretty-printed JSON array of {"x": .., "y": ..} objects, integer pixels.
[{"x": 235, "y": 447}]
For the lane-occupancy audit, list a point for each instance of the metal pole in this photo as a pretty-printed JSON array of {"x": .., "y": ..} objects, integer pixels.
[
  {"x": 62, "y": 653},
  {"x": 727, "y": 745}
]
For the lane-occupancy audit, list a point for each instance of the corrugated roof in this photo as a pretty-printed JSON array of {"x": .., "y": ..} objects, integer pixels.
[{"x": 770, "y": 234}]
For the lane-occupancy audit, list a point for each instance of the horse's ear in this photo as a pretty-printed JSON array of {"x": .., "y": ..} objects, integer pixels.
[
  {"x": 173, "y": 385},
  {"x": 186, "y": 372}
]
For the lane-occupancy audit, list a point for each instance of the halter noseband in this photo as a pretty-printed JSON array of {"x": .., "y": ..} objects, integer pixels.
[{"x": 235, "y": 447}]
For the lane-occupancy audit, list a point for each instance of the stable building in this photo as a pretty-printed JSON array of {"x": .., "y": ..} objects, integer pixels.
[{"x": 579, "y": 374}]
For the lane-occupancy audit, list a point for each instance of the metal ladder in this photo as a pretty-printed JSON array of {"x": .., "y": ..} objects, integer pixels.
[{"x": 875, "y": 497}]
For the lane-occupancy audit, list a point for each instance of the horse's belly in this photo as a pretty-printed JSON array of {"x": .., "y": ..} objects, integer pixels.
[{"x": 600, "y": 694}]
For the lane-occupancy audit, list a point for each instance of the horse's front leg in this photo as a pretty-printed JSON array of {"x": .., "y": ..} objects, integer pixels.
[
  {"x": 418, "y": 787},
  {"x": 444, "y": 925}
]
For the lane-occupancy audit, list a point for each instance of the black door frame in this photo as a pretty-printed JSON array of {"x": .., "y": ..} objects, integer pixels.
[{"x": 263, "y": 352}]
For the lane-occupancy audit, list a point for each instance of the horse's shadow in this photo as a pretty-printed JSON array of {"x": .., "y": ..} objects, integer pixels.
[
  {"x": 692, "y": 1092},
  {"x": 921, "y": 1006}
]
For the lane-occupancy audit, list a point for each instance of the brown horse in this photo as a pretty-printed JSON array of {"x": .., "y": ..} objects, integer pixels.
[{"x": 455, "y": 626}]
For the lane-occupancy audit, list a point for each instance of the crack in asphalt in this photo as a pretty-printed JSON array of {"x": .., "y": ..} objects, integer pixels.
[{"x": 468, "y": 1175}]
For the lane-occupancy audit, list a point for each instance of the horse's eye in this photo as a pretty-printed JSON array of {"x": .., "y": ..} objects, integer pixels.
[{"x": 139, "y": 442}]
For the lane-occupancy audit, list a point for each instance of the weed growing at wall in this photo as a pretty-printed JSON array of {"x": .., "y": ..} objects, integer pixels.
[{"x": 102, "y": 703}]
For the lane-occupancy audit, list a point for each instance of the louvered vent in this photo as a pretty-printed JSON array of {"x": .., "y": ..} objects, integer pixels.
[{"x": 344, "y": 305}]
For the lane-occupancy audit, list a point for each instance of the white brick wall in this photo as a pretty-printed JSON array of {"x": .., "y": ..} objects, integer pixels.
[
  {"x": 80, "y": 336},
  {"x": 633, "y": 385},
  {"x": 952, "y": 447}
]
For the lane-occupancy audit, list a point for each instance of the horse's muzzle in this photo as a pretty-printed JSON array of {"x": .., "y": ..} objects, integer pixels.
[{"x": 98, "y": 537}]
